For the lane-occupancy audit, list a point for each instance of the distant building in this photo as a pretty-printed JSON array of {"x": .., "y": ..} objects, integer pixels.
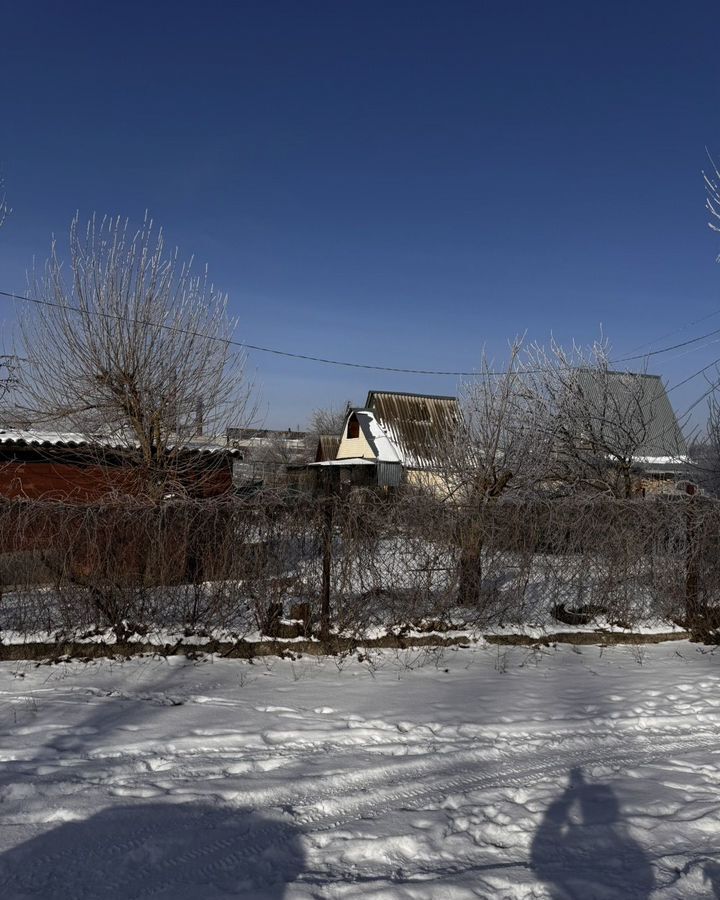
[
  {"x": 617, "y": 421},
  {"x": 42, "y": 465},
  {"x": 395, "y": 437},
  {"x": 265, "y": 454},
  {"x": 627, "y": 418}
]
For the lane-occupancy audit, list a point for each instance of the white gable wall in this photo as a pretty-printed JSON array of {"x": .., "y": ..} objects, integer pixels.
[
  {"x": 354, "y": 448},
  {"x": 371, "y": 443}
]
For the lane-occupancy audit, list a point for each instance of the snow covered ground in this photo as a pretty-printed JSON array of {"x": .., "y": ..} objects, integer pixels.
[{"x": 481, "y": 772}]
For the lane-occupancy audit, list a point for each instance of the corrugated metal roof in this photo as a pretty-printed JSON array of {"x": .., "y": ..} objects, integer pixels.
[
  {"x": 71, "y": 440},
  {"x": 630, "y": 410},
  {"x": 328, "y": 446},
  {"x": 416, "y": 424}
]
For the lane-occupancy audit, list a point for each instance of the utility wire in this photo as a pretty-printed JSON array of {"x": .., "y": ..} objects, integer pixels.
[
  {"x": 352, "y": 365},
  {"x": 668, "y": 334},
  {"x": 395, "y": 369},
  {"x": 243, "y": 344},
  {"x": 677, "y": 346},
  {"x": 694, "y": 375}
]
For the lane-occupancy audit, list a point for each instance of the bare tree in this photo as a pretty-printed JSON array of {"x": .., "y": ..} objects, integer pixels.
[
  {"x": 498, "y": 448},
  {"x": 712, "y": 196},
  {"x": 8, "y": 363},
  {"x": 706, "y": 451},
  {"x": 600, "y": 421},
  {"x": 328, "y": 420},
  {"x": 499, "y": 444},
  {"x": 705, "y": 448},
  {"x": 130, "y": 347}
]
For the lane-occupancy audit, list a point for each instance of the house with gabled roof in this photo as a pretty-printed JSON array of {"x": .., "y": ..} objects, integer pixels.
[
  {"x": 613, "y": 421},
  {"x": 625, "y": 421},
  {"x": 399, "y": 434}
]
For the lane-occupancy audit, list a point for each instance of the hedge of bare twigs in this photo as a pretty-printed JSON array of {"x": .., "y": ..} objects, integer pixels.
[{"x": 265, "y": 564}]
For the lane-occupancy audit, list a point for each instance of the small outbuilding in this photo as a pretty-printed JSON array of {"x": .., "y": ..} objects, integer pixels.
[{"x": 41, "y": 465}]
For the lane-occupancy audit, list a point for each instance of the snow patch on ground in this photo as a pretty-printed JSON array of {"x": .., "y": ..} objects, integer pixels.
[{"x": 492, "y": 772}]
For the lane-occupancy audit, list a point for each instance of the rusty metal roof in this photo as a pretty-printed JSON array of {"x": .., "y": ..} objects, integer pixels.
[
  {"x": 327, "y": 448},
  {"x": 417, "y": 423}
]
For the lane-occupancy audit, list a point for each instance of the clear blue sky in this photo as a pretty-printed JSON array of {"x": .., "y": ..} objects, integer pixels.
[{"x": 384, "y": 182}]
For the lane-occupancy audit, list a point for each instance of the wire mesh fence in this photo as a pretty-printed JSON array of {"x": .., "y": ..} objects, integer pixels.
[{"x": 355, "y": 564}]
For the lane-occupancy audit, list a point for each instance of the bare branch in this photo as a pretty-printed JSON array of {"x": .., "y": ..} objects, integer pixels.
[{"x": 135, "y": 348}]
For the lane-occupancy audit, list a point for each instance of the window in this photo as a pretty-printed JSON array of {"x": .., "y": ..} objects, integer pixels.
[{"x": 353, "y": 429}]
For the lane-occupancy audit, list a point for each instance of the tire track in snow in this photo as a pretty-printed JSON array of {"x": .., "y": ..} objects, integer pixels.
[
  {"x": 378, "y": 762},
  {"x": 348, "y": 799},
  {"x": 321, "y": 815},
  {"x": 362, "y": 794},
  {"x": 342, "y": 799}
]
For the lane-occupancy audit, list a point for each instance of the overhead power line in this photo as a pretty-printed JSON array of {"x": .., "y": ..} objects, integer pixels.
[
  {"x": 677, "y": 346},
  {"x": 243, "y": 344},
  {"x": 346, "y": 363},
  {"x": 675, "y": 331}
]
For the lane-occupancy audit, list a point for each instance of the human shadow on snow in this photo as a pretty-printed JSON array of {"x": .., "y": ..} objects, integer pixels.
[
  {"x": 179, "y": 851},
  {"x": 711, "y": 874},
  {"x": 582, "y": 848}
]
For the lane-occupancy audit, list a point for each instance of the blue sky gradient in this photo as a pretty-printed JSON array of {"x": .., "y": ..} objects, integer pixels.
[{"x": 391, "y": 183}]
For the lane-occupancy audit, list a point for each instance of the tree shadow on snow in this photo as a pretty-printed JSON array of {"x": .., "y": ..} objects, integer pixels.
[
  {"x": 108, "y": 718},
  {"x": 582, "y": 848},
  {"x": 179, "y": 851}
]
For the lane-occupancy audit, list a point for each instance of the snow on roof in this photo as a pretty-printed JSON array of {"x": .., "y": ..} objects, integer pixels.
[
  {"x": 387, "y": 450},
  {"x": 386, "y": 442},
  {"x": 663, "y": 460},
  {"x": 351, "y": 461},
  {"x": 68, "y": 439}
]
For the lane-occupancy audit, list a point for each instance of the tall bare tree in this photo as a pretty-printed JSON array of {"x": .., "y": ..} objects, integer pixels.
[
  {"x": 127, "y": 344},
  {"x": 7, "y": 361},
  {"x": 498, "y": 448},
  {"x": 706, "y": 452},
  {"x": 498, "y": 445},
  {"x": 601, "y": 422},
  {"x": 712, "y": 196}
]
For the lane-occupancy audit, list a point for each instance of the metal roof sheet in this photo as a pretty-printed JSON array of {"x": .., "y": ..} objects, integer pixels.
[
  {"x": 416, "y": 424},
  {"x": 328, "y": 446},
  {"x": 629, "y": 409},
  {"x": 72, "y": 440}
]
